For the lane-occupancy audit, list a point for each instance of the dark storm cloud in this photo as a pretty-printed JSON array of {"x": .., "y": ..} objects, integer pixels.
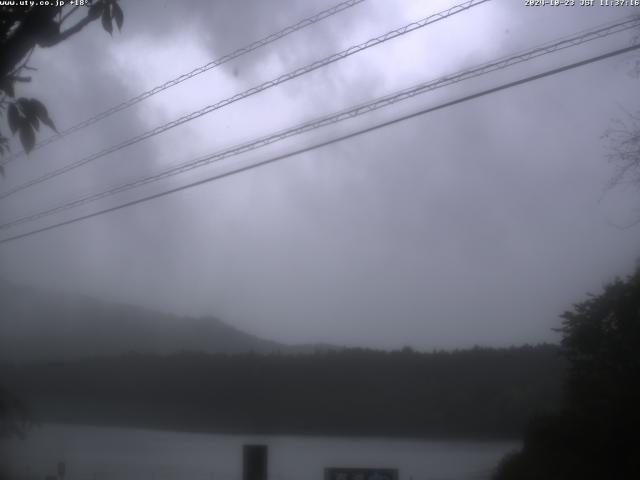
[
  {"x": 476, "y": 224},
  {"x": 227, "y": 25}
]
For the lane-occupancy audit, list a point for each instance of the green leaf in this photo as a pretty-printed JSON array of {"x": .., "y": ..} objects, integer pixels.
[
  {"x": 29, "y": 112},
  {"x": 13, "y": 117},
  {"x": 118, "y": 15},
  {"x": 41, "y": 112},
  {"x": 27, "y": 137},
  {"x": 106, "y": 21}
]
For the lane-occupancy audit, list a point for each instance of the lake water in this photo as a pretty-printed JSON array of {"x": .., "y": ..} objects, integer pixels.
[{"x": 98, "y": 453}]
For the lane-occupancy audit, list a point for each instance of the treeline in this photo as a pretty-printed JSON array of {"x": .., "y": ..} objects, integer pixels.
[
  {"x": 477, "y": 392},
  {"x": 594, "y": 433}
]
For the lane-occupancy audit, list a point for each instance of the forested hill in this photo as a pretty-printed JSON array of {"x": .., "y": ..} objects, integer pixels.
[
  {"x": 44, "y": 325},
  {"x": 471, "y": 393}
]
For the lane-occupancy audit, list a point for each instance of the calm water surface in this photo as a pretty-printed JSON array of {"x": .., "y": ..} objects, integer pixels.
[{"x": 98, "y": 453}]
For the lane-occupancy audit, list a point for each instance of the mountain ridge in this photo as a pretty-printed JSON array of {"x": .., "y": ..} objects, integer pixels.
[{"x": 42, "y": 325}]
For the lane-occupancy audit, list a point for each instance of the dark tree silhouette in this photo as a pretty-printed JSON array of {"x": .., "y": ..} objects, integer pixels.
[
  {"x": 22, "y": 29},
  {"x": 595, "y": 435},
  {"x": 624, "y": 151},
  {"x": 623, "y": 138}
]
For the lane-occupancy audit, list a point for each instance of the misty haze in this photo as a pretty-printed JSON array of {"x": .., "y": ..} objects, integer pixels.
[{"x": 337, "y": 240}]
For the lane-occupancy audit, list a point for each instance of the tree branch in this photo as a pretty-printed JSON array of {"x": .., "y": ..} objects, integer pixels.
[
  {"x": 68, "y": 14},
  {"x": 71, "y": 30},
  {"x": 16, "y": 70}
]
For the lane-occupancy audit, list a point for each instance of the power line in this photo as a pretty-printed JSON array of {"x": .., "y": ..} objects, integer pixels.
[
  {"x": 502, "y": 63},
  {"x": 197, "y": 71},
  {"x": 252, "y": 91},
  {"x": 451, "y": 103}
]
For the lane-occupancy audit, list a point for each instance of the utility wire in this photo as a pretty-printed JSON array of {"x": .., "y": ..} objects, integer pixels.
[
  {"x": 567, "y": 42},
  {"x": 378, "y": 126},
  {"x": 197, "y": 71},
  {"x": 252, "y": 91}
]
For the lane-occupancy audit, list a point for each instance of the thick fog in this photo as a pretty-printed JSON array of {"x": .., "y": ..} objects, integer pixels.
[{"x": 475, "y": 224}]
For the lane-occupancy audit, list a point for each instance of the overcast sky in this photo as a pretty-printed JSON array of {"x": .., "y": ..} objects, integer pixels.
[{"x": 477, "y": 224}]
